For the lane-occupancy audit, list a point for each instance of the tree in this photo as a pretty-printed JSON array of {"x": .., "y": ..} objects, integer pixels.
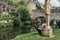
[
  {"x": 25, "y": 17},
  {"x": 47, "y": 31}
]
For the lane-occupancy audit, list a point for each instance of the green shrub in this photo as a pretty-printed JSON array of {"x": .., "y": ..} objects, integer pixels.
[
  {"x": 21, "y": 21},
  {"x": 38, "y": 7}
]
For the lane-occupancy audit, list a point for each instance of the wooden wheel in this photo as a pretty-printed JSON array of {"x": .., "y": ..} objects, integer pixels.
[{"x": 38, "y": 21}]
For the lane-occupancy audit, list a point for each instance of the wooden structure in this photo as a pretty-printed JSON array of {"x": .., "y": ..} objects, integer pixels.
[{"x": 47, "y": 31}]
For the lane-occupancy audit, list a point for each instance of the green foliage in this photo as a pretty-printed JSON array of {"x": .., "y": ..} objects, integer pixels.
[
  {"x": 16, "y": 21},
  {"x": 21, "y": 21},
  {"x": 24, "y": 13},
  {"x": 25, "y": 17},
  {"x": 16, "y": 24},
  {"x": 5, "y": 29},
  {"x": 10, "y": 2},
  {"x": 22, "y": 3},
  {"x": 38, "y": 7}
]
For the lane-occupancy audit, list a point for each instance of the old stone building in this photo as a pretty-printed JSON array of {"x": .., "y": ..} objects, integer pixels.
[
  {"x": 55, "y": 12},
  {"x": 4, "y": 7},
  {"x": 31, "y": 6}
]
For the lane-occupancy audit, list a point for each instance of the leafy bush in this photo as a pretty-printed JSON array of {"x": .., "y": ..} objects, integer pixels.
[
  {"x": 21, "y": 22},
  {"x": 22, "y": 3},
  {"x": 38, "y": 7},
  {"x": 25, "y": 18}
]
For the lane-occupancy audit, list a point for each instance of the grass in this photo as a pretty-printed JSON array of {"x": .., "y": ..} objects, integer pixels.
[{"x": 35, "y": 36}]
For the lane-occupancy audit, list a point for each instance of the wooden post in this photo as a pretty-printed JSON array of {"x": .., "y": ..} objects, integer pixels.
[{"x": 47, "y": 31}]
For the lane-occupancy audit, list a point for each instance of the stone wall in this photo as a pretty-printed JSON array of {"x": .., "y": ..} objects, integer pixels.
[
  {"x": 37, "y": 13},
  {"x": 5, "y": 7}
]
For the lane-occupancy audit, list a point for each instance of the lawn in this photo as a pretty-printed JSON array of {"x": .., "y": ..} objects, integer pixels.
[{"x": 35, "y": 36}]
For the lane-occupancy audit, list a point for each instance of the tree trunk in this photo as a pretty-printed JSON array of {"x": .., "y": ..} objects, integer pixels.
[{"x": 47, "y": 31}]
